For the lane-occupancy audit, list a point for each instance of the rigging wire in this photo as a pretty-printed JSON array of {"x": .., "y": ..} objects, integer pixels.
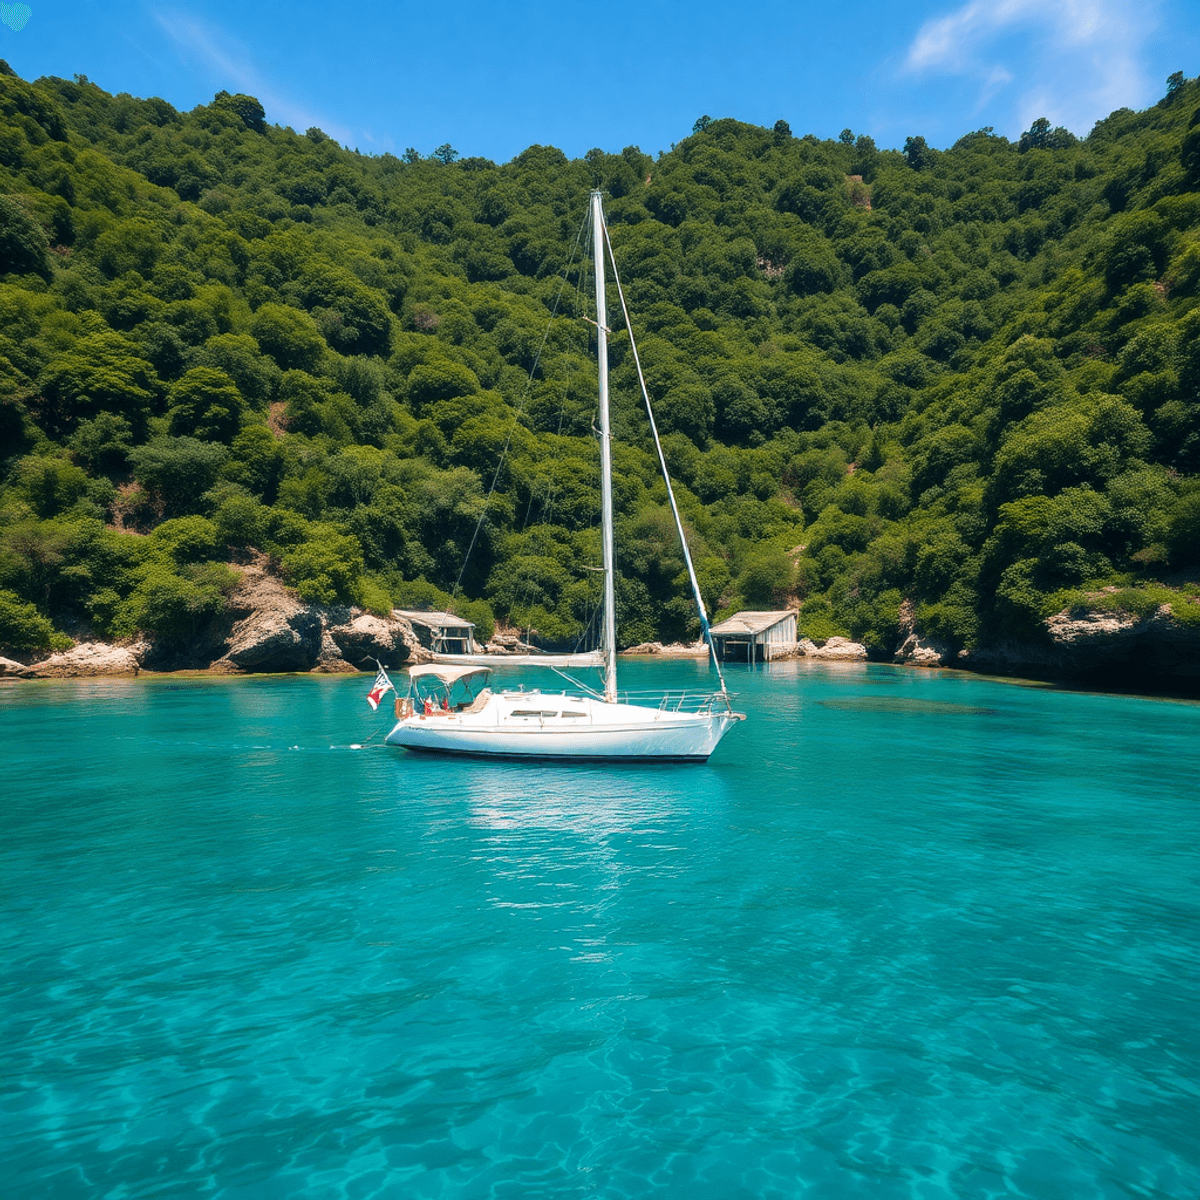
[
  {"x": 519, "y": 413},
  {"x": 662, "y": 462},
  {"x": 544, "y": 499}
]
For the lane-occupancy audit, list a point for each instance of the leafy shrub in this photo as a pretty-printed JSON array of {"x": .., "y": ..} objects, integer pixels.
[
  {"x": 174, "y": 606},
  {"x": 817, "y": 622},
  {"x": 22, "y": 627},
  {"x": 179, "y": 469},
  {"x": 327, "y": 569},
  {"x": 188, "y": 539},
  {"x": 22, "y": 242}
]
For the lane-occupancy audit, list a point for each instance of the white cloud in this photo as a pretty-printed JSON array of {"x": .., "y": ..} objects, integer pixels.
[
  {"x": 221, "y": 56},
  {"x": 1070, "y": 60}
]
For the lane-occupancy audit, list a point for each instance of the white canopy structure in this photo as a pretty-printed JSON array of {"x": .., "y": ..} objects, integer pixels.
[
  {"x": 445, "y": 674},
  {"x": 585, "y": 658}
]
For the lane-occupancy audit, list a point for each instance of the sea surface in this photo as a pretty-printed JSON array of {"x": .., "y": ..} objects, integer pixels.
[{"x": 906, "y": 936}]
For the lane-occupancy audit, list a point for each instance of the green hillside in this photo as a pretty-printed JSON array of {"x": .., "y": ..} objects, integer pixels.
[{"x": 966, "y": 379}]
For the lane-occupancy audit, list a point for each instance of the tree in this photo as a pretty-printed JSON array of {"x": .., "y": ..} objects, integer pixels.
[
  {"x": 22, "y": 627},
  {"x": 22, "y": 241},
  {"x": 782, "y": 131},
  {"x": 238, "y": 355},
  {"x": 289, "y": 335},
  {"x": 1175, "y": 82},
  {"x": 1039, "y": 136},
  {"x": 445, "y": 153},
  {"x": 102, "y": 444},
  {"x": 206, "y": 404},
  {"x": 175, "y": 606},
  {"x": 50, "y": 485},
  {"x": 103, "y": 372},
  {"x": 701, "y": 124},
  {"x": 246, "y": 107},
  {"x": 846, "y": 137},
  {"x": 178, "y": 469},
  {"x": 916, "y": 153},
  {"x": 327, "y": 569},
  {"x": 352, "y": 318},
  {"x": 1189, "y": 152},
  {"x": 766, "y": 578},
  {"x": 1035, "y": 136}
]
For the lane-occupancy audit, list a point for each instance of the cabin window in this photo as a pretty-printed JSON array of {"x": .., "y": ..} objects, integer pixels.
[
  {"x": 574, "y": 714},
  {"x": 532, "y": 712}
]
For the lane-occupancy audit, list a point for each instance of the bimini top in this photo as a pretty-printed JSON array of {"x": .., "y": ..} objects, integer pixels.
[{"x": 445, "y": 673}]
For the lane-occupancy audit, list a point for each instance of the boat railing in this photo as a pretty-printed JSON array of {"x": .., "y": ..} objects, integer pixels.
[
  {"x": 669, "y": 701},
  {"x": 678, "y": 701}
]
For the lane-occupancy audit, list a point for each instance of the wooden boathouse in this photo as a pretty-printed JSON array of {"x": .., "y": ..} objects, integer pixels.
[
  {"x": 441, "y": 632},
  {"x": 755, "y": 636}
]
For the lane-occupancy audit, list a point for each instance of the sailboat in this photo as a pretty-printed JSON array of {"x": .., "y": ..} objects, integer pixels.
[{"x": 450, "y": 709}]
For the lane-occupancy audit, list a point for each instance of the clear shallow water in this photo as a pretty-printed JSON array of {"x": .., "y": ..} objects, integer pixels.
[{"x": 903, "y": 936}]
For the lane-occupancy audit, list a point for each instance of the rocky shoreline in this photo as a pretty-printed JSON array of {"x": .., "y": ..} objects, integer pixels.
[
  {"x": 267, "y": 629},
  {"x": 264, "y": 629},
  {"x": 1095, "y": 646}
]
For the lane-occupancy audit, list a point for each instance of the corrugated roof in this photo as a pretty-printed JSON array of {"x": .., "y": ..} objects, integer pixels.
[
  {"x": 751, "y": 622},
  {"x": 435, "y": 620}
]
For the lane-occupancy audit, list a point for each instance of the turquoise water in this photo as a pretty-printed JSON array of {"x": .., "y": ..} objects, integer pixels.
[{"x": 904, "y": 936}]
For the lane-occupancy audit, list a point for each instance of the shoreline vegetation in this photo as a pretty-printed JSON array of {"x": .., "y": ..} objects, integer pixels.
[
  {"x": 266, "y": 629},
  {"x": 258, "y": 390}
]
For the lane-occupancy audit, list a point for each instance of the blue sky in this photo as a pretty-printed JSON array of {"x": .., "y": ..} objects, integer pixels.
[{"x": 492, "y": 79}]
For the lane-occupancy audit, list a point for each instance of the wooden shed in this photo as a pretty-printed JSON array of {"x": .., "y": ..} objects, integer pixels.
[
  {"x": 441, "y": 632},
  {"x": 755, "y": 636}
]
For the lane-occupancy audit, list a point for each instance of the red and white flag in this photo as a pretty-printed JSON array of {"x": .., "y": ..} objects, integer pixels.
[{"x": 379, "y": 689}]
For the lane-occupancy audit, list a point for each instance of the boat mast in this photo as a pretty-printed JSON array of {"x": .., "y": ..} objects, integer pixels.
[{"x": 609, "y": 633}]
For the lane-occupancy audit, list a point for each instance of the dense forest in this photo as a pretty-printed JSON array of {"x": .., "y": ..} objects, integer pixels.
[{"x": 961, "y": 382}]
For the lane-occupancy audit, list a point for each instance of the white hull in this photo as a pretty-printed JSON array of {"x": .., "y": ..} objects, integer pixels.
[{"x": 533, "y": 725}]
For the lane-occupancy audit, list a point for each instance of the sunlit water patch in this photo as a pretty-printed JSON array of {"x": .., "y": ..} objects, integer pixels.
[{"x": 904, "y": 936}]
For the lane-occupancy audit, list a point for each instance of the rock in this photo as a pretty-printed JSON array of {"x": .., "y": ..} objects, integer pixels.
[
  {"x": 330, "y": 660},
  {"x": 645, "y": 648},
  {"x": 276, "y": 641},
  {"x": 1154, "y": 645},
  {"x": 278, "y": 632},
  {"x": 508, "y": 643},
  {"x": 917, "y": 650},
  {"x": 1107, "y": 632},
  {"x": 265, "y": 628},
  {"x": 685, "y": 650},
  {"x": 1101, "y": 644},
  {"x": 366, "y": 638},
  {"x": 834, "y": 649},
  {"x": 914, "y": 653},
  {"x": 88, "y": 658}
]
